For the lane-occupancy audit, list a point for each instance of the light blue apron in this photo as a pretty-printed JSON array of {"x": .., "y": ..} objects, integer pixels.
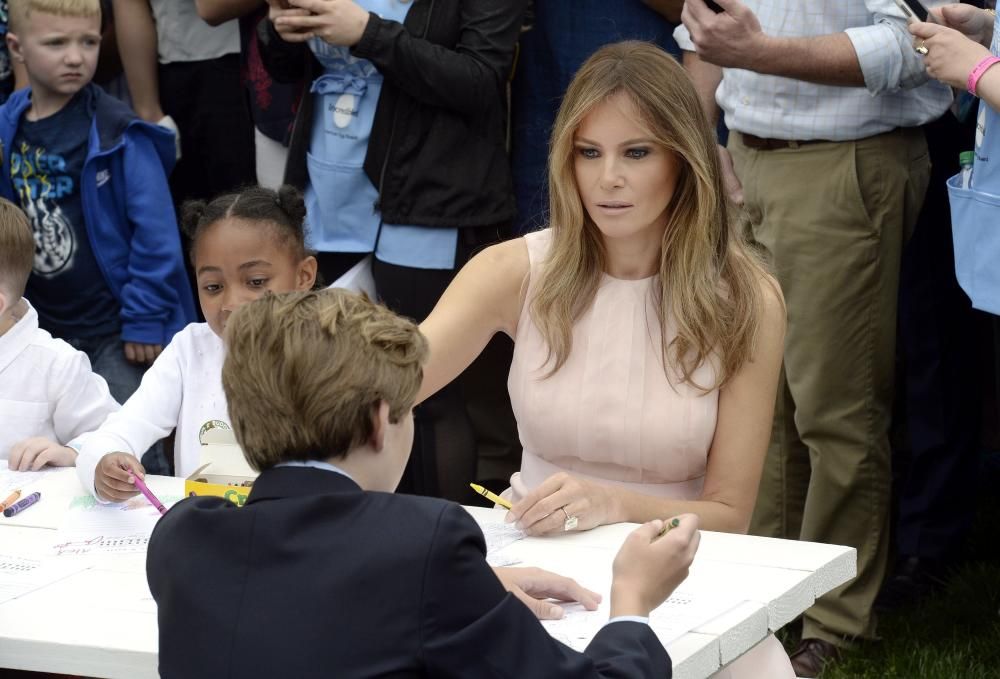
[
  {"x": 975, "y": 212},
  {"x": 340, "y": 198}
]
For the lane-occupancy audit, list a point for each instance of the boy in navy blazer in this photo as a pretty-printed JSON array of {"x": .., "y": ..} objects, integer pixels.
[{"x": 324, "y": 571}]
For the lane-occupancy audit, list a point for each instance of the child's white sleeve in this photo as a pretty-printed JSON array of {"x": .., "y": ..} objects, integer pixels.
[
  {"x": 148, "y": 416},
  {"x": 81, "y": 398}
]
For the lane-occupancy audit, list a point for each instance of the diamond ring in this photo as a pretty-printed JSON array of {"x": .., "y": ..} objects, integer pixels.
[{"x": 570, "y": 522}]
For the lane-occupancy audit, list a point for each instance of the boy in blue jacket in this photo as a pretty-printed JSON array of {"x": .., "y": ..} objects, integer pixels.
[{"x": 108, "y": 275}]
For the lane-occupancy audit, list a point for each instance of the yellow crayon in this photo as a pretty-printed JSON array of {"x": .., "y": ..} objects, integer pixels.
[{"x": 492, "y": 497}]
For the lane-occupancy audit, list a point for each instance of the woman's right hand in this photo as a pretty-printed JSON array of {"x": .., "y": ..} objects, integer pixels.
[
  {"x": 974, "y": 23},
  {"x": 648, "y": 567},
  {"x": 111, "y": 479}
]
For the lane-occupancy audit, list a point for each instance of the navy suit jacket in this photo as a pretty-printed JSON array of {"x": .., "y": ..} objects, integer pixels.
[{"x": 315, "y": 577}]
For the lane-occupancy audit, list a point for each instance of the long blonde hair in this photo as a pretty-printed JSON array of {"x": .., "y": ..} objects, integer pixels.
[{"x": 710, "y": 280}]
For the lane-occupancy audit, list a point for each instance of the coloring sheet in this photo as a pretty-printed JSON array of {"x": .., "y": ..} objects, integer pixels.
[{"x": 91, "y": 528}]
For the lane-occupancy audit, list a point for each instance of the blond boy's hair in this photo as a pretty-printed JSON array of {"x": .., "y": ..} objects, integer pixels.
[
  {"x": 17, "y": 250},
  {"x": 19, "y": 10},
  {"x": 305, "y": 372}
]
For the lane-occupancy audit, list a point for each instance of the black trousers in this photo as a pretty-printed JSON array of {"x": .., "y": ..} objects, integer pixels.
[
  {"x": 443, "y": 459},
  {"x": 208, "y": 102},
  {"x": 936, "y": 472}
]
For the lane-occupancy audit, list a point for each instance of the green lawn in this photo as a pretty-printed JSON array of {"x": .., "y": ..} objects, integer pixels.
[{"x": 954, "y": 634}]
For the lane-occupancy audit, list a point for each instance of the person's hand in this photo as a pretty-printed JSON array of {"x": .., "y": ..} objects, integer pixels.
[
  {"x": 546, "y": 509},
  {"x": 534, "y": 587},
  {"x": 732, "y": 38},
  {"x": 279, "y": 9},
  {"x": 34, "y": 453},
  {"x": 648, "y": 568},
  {"x": 972, "y": 22},
  {"x": 112, "y": 477},
  {"x": 143, "y": 354},
  {"x": 950, "y": 55},
  {"x": 734, "y": 189},
  {"x": 337, "y": 22}
]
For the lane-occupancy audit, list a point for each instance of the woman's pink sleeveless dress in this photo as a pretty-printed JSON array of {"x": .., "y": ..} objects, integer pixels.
[{"x": 611, "y": 414}]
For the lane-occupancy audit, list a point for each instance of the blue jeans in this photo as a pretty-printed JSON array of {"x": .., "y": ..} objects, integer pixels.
[{"x": 107, "y": 359}]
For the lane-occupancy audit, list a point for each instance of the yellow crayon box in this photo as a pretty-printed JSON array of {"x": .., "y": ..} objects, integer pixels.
[{"x": 223, "y": 471}]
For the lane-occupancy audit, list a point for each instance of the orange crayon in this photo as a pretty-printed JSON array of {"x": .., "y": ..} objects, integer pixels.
[{"x": 11, "y": 499}]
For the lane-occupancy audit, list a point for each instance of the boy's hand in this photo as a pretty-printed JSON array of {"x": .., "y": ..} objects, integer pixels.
[
  {"x": 143, "y": 354},
  {"x": 34, "y": 453},
  {"x": 535, "y": 587},
  {"x": 111, "y": 479},
  {"x": 649, "y": 567}
]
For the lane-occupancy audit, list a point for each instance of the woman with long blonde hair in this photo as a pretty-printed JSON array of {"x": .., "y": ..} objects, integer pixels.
[{"x": 648, "y": 334}]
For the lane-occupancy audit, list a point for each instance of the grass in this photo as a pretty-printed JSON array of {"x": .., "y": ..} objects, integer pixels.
[{"x": 953, "y": 634}]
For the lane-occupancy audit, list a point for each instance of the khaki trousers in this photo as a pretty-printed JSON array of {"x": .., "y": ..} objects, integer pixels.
[{"x": 831, "y": 218}]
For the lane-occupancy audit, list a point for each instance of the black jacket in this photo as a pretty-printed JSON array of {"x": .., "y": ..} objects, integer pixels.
[
  {"x": 315, "y": 577},
  {"x": 437, "y": 152}
]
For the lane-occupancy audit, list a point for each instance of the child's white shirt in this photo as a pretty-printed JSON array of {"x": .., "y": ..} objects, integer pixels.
[
  {"x": 47, "y": 387},
  {"x": 182, "y": 390}
]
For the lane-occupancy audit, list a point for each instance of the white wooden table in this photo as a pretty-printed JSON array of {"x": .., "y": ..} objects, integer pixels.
[{"x": 101, "y": 622}]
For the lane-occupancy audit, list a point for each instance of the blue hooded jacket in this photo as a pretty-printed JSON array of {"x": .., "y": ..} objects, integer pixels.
[{"x": 128, "y": 211}]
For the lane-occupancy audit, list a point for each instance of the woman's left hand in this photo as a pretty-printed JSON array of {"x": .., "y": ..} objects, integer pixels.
[
  {"x": 950, "y": 55},
  {"x": 551, "y": 507},
  {"x": 337, "y": 22}
]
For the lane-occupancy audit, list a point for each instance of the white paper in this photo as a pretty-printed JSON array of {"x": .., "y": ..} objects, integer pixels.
[
  {"x": 577, "y": 626},
  {"x": 22, "y": 481},
  {"x": 500, "y": 535},
  {"x": 20, "y": 575},
  {"x": 678, "y": 615},
  {"x": 124, "y": 593},
  {"x": 91, "y": 528},
  {"x": 688, "y": 610}
]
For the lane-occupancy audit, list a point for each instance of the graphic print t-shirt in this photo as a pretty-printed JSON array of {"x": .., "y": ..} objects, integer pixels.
[{"x": 66, "y": 285}]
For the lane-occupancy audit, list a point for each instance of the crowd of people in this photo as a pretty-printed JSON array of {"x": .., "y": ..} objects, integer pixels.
[{"x": 667, "y": 259}]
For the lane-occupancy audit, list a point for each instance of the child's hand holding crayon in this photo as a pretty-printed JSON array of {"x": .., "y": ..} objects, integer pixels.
[{"x": 112, "y": 478}]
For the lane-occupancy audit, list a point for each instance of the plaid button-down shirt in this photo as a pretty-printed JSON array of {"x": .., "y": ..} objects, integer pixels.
[{"x": 897, "y": 90}]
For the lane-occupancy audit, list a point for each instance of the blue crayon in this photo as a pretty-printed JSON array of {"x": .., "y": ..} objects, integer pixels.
[{"x": 21, "y": 505}]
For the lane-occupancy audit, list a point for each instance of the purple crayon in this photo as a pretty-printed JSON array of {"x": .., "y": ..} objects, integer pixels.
[{"x": 21, "y": 505}]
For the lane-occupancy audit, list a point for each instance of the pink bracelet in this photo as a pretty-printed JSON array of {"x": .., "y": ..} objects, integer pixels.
[{"x": 978, "y": 71}]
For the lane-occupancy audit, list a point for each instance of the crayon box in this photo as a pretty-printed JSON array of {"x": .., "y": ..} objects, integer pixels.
[{"x": 222, "y": 469}]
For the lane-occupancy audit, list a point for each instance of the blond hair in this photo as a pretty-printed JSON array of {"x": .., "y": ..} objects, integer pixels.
[
  {"x": 305, "y": 371},
  {"x": 17, "y": 249},
  {"x": 709, "y": 279},
  {"x": 20, "y": 10}
]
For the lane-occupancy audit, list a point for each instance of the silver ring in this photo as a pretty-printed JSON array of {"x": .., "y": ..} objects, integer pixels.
[
  {"x": 921, "y": 49},
  {"x": 570, "y": 522}
]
